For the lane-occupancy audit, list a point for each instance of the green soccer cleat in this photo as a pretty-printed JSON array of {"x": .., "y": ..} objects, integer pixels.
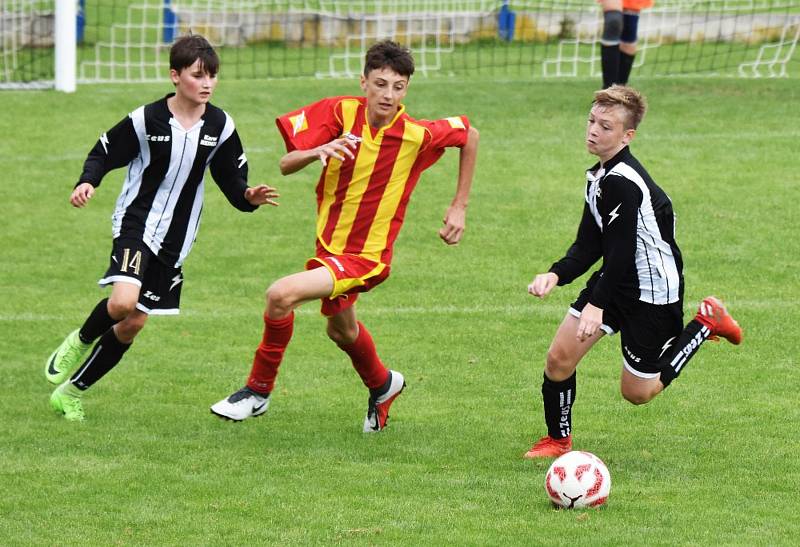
[
  {"x": 65, "y": 358},
  {"x": 66, "y": 400}
]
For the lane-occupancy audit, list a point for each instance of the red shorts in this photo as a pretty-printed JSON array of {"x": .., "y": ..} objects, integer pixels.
[{"x": 351, "y": 274}]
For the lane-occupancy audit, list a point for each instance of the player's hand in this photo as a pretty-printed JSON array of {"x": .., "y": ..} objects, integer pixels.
[
  {"x": 455, "y": 221},
  {"x": 261, "y": 194},
  {"x": 81, "y": 194},
  {"x": 543, "y": 284},
  {"x": 591, "y": 319},
  {"x": 337, "y": 148}
]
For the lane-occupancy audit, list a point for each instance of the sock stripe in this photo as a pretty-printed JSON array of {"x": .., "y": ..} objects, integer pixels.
[{"x": 77, "y": 376}]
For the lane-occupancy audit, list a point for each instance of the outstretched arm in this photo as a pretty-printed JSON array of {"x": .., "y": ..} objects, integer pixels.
[
  {"x": 298, "y": 159},
  {"x": 456, "y": 216}
]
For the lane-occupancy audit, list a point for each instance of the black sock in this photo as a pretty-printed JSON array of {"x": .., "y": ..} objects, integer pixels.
[
  {"x": 625, "y": 65},
  {"x": 609, "y": 61},
  {"x": 104, "y": 356},
  {"x": 687, "y": 344},
  {"x": 98, "y": 322},
  {"x": 374, "y": 393},
  {"x": 558, "y": 398}
]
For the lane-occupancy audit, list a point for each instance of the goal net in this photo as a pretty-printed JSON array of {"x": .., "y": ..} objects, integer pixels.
[{"x": 128, "y": 40}]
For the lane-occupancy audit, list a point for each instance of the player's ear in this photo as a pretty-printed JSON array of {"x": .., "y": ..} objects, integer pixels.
[
  {"x": 174, "y": 75},
  {"x": 627, "y": 137},
  {"x": 363, "y": 83}
]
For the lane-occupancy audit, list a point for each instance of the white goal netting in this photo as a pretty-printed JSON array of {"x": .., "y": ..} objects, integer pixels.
[{"x": 128, "y": 40}]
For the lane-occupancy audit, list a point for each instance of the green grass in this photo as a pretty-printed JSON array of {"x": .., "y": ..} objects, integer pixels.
[{"x": 711, "y": 461}]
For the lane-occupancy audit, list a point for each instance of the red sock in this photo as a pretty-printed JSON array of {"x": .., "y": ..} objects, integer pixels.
[
  {"x": 277, "y": 333},
  {"x": 365, "y": 359}
]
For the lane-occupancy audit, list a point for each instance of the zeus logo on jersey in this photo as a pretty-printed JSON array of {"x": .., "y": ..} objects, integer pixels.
[
  {"x": 158, "y": 138},
  {"x": 208, "y": 140}
]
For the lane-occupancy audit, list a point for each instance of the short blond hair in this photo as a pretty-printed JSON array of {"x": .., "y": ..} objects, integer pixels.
[{"x": 632, "y": 102}]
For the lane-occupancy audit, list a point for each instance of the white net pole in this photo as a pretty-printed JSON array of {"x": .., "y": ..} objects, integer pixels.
[{"x": 65, "y": 48}]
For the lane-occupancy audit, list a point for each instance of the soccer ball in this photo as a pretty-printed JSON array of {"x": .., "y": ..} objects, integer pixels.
[{"x": 578, "y": 479}]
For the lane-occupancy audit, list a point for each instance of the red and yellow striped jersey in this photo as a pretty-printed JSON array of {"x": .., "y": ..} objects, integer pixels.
[{"x": 361, "y": 203}]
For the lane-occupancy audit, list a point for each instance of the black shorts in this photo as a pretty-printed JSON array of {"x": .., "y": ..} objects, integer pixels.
[
  {"x": 646, "y": 330},
  {"x": 159, "y": 285}
]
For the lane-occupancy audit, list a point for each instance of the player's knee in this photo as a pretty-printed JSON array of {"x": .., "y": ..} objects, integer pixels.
[
  {"x": 127, "y": 329},
  {"x": 120, "y": 308},
  {"x": 279, "y": 300},
  {"x": 558, "y": 363},
  {"x": 612, "y": 27},
  {"x": 342, "y": 336}
]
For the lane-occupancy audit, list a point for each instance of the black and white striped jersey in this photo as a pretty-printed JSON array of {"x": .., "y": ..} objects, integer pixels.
[
  {"x": 629, "y": 222},
  {"x": 162, "y": 196}
]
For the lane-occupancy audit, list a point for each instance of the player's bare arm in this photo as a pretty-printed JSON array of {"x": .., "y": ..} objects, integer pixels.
[
  {"x": 81, "y": 194},
  {"x": 298, "y": 159},
  {"x": 262, "y": 195},
  {"x": 456, "y": 216},
  {"x": 543, "y": 284}
]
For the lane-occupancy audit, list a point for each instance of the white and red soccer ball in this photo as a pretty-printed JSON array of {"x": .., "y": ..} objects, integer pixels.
[{"x": 578, "y": 479}]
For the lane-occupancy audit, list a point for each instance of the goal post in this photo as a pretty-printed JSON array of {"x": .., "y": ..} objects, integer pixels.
[{"x": 66, "y": 32}]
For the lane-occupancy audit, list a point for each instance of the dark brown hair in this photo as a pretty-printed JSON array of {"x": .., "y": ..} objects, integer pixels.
[
  {"x": 388, "y": 54},
  {"x": 187, "y": 49}
]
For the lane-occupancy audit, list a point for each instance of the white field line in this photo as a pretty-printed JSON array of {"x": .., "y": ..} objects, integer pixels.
[{"x": 533, "y": 309}]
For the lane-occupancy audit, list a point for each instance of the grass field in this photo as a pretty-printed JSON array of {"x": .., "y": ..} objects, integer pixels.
[{"x": 711, "y": 461}]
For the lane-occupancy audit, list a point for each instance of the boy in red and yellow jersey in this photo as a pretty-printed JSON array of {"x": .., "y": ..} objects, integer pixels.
[{"x": 372, "y": 153}]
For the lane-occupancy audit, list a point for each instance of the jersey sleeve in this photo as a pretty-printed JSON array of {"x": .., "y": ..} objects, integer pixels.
[
  {"x": 312, "y": 125},
  {"x": 115, "y": 148},
  {"x": 448, "y": 132},
  {"x": 229, "y": 169},
  {"x": 583, "y": 253},
  {"x": 619, "y": 209}
]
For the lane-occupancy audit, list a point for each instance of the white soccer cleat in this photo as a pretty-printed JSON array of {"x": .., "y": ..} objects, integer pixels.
[
  {"x": 378, "y": 410},
  {"x": 243, "y": 404}
]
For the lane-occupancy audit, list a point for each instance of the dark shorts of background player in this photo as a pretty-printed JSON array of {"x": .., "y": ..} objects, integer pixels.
[
  {"x": 159, "y": 285},
  {"x": 645, "y": 329}
]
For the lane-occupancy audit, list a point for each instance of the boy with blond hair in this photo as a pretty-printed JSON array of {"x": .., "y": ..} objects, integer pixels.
[{"x": 627, "y": 221}]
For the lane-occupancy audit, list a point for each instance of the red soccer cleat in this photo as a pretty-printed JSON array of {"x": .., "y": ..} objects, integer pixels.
[
  {"x": 712, "y": 314},
  {"x": 378, "y": 410},
  {"x": 548, "y": 447}
]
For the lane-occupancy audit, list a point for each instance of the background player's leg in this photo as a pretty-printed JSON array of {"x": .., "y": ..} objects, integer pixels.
[
  {"x": 627, "y": 46},
  {"x": 609, "y": 41}
]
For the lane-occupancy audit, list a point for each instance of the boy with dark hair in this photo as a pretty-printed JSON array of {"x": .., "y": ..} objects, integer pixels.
[
  {"x": 167, "y": 146},
  {"x": 372, "y": 154},
  {"x": 628, "y": 221}
]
